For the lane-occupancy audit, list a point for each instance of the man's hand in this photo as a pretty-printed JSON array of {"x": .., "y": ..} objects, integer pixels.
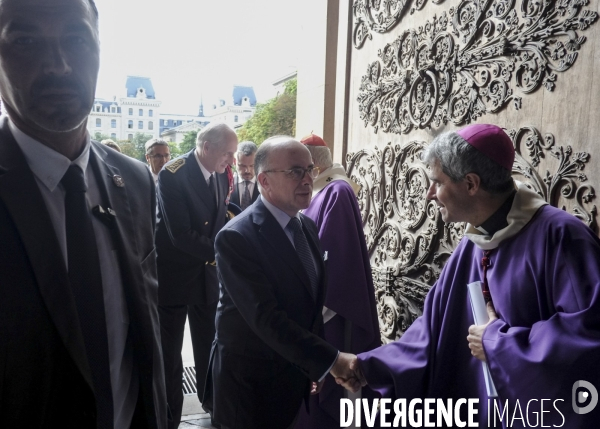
[
  {"x": 317, "y": 386},
  {"x": 475, "y": 337},
  {"x": 347, "y": 372}
]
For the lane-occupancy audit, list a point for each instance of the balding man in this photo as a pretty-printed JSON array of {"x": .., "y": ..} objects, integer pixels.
[
  {"x": 79, "y": 339},
  {"x": 268, "y": 348},
  {"x": 193, "y": 197}
]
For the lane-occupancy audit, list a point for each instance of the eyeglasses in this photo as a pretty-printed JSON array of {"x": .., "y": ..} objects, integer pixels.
[
  {"x": 297, "y": 173},
  {"x": 159, "y": 156}
]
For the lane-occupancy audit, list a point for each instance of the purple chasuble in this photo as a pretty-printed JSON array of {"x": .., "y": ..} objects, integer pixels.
[
  {"x": 350, "y": 292},
  {"x": 545, "y": 285}
]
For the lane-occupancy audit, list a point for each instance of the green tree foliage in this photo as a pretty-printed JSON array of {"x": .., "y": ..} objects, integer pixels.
[
  {"x": 276, "y": 116},
  {"x": 188, "y": 143},
  {"x": 135, "y": 148},
  {"x": 174, "y": 149},
  {"x": 98, "y": 136}
]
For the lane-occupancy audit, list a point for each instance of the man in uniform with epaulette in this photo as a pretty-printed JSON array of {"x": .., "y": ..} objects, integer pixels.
[{"x": 193, "y": 195}]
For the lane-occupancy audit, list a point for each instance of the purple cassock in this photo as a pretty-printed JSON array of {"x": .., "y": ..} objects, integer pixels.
[
  {"x": 545, "y": 286},
  {"x": 350, "y": 292}
]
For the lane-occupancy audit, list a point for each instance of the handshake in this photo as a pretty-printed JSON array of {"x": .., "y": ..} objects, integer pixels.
[{"x": 347, "y": 373}]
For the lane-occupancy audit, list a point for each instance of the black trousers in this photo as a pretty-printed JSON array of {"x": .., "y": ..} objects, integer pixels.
[{"x": 202, "y": 330}]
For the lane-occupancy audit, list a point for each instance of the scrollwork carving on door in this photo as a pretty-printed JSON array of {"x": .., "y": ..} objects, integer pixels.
[
  {"x": 476, "y": 59},
  {"x": 407, "y": 240}
]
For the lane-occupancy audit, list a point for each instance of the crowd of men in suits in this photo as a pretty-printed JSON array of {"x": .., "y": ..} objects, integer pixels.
[{"x": 96, "y": 282}]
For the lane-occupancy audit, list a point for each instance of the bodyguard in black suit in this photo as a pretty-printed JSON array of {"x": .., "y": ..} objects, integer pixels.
[
  {"x": 268, "y": 348},
  {"x": 79, "y": 337},
  {"x": 193, "y": 195},
  {"x": 244, "y": 178}
]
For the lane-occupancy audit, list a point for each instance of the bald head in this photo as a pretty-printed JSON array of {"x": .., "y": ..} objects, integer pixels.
[
  {"x": 272, "y": 146},
  {"x": 285, "y": 173}
]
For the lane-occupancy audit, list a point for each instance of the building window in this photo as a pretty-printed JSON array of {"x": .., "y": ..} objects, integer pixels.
[
  {"x": 150, "y": 125},
  {"x": 130, "y": 111},
  {"x": 130, "y": 124},
  {"x": 113, "y": 136},
  {"x": 140, "y": 125},
  {"x": 162, "y": 122},
  {"x": 112, "y": 109},
  {"x": 98, "y": 122},
  {"x": 235, "y": 118},
  {"x": 150, "y": 113},
  {"x": 97, "y": 108},
  {"x": 130, "y": 137},
  {"x": 141, "y": 112},
  {"x": 113, "y": 123}
]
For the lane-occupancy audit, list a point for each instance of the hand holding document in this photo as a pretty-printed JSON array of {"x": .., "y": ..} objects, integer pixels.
[{"x": 481, "y": 317}]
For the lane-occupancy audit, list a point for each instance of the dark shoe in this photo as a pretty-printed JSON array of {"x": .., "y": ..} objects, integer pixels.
[{"x": 214, "y": 424}]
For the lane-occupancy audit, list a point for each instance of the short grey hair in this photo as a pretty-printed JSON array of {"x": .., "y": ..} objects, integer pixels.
[
  {"x": 247, "y": 148},
  {"x": 458, "y": 158},
  {"x": 321, "y": 156},
  {"x": 216, "y": 133},
  {"x": 154, "y": 142},
  {"x": 261, "y": 161}
]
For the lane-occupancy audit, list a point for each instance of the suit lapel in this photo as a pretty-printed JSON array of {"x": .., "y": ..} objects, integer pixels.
[
  {"x": 21, "y": 195},
  {"x": 272, "y": 232},
  {"x": 116, "y": 197},
  {"x": 235, "y": 195},
  {"x": 313, "y": 242},
  {"x": 198, "y": 182},
  {"x": 223, "y": 185}
]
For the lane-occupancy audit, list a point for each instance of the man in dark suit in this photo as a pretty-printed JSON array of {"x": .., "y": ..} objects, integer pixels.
[
  {"x": 245, "y": 189},
  {"x": 268, "y": 346},
  {"x": 79, "y": 336},
  {"x": 193, "y": 193}
]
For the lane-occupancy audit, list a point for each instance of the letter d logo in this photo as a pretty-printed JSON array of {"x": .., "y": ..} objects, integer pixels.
[{"x": 581, "y": 392}]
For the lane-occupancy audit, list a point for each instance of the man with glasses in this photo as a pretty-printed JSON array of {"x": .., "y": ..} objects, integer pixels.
[
  {"x": 193, "y": 192},
  {"x": 157, "y": 155},
  {"x": 269, "y": 351}
]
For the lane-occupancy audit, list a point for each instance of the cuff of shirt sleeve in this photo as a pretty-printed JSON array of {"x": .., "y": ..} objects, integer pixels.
[{"x": 330, "y": 366}]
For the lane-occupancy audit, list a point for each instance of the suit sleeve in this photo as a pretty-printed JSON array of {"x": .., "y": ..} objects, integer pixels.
[
  {"x": 244, "y": 279},
  {"x": 176, "y": 213}
]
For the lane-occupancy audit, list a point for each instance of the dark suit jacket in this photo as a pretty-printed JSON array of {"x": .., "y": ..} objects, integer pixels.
[
  {"x": 188, "y": 222},
  {"x": 267, "y": 347},
  {"x": 45, "y": 379},
  {"x": 236, "y": 198}
]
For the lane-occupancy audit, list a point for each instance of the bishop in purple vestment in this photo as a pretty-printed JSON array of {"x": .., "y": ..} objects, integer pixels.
[
  {"x": 350, "y": 313},
  {"x": 543, "y": 278}
]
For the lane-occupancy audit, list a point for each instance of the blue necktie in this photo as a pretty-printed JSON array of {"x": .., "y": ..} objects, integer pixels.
[{"x": 305, "y": 255}]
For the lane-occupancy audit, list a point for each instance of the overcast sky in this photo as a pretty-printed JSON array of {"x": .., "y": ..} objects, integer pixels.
[{"x": 196, "y": 48}]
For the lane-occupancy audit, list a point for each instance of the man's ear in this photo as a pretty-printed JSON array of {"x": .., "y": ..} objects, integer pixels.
[
  {"x": 263, "y": 180},
  {"x": 473, "y": 182}
]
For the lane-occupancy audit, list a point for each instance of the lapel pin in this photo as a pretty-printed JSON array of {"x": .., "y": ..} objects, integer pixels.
[
  {"x": 118, "y": 181},
  {"x": 325, "y": 255}
]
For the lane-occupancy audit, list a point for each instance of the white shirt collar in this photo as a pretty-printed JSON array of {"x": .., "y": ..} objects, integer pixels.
[
  {"x": 282, "y": 217},
  {"x": 205, "y": 172},
  {"x": 241, "y": 180},
  {"x": 48, "y": 165}
]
